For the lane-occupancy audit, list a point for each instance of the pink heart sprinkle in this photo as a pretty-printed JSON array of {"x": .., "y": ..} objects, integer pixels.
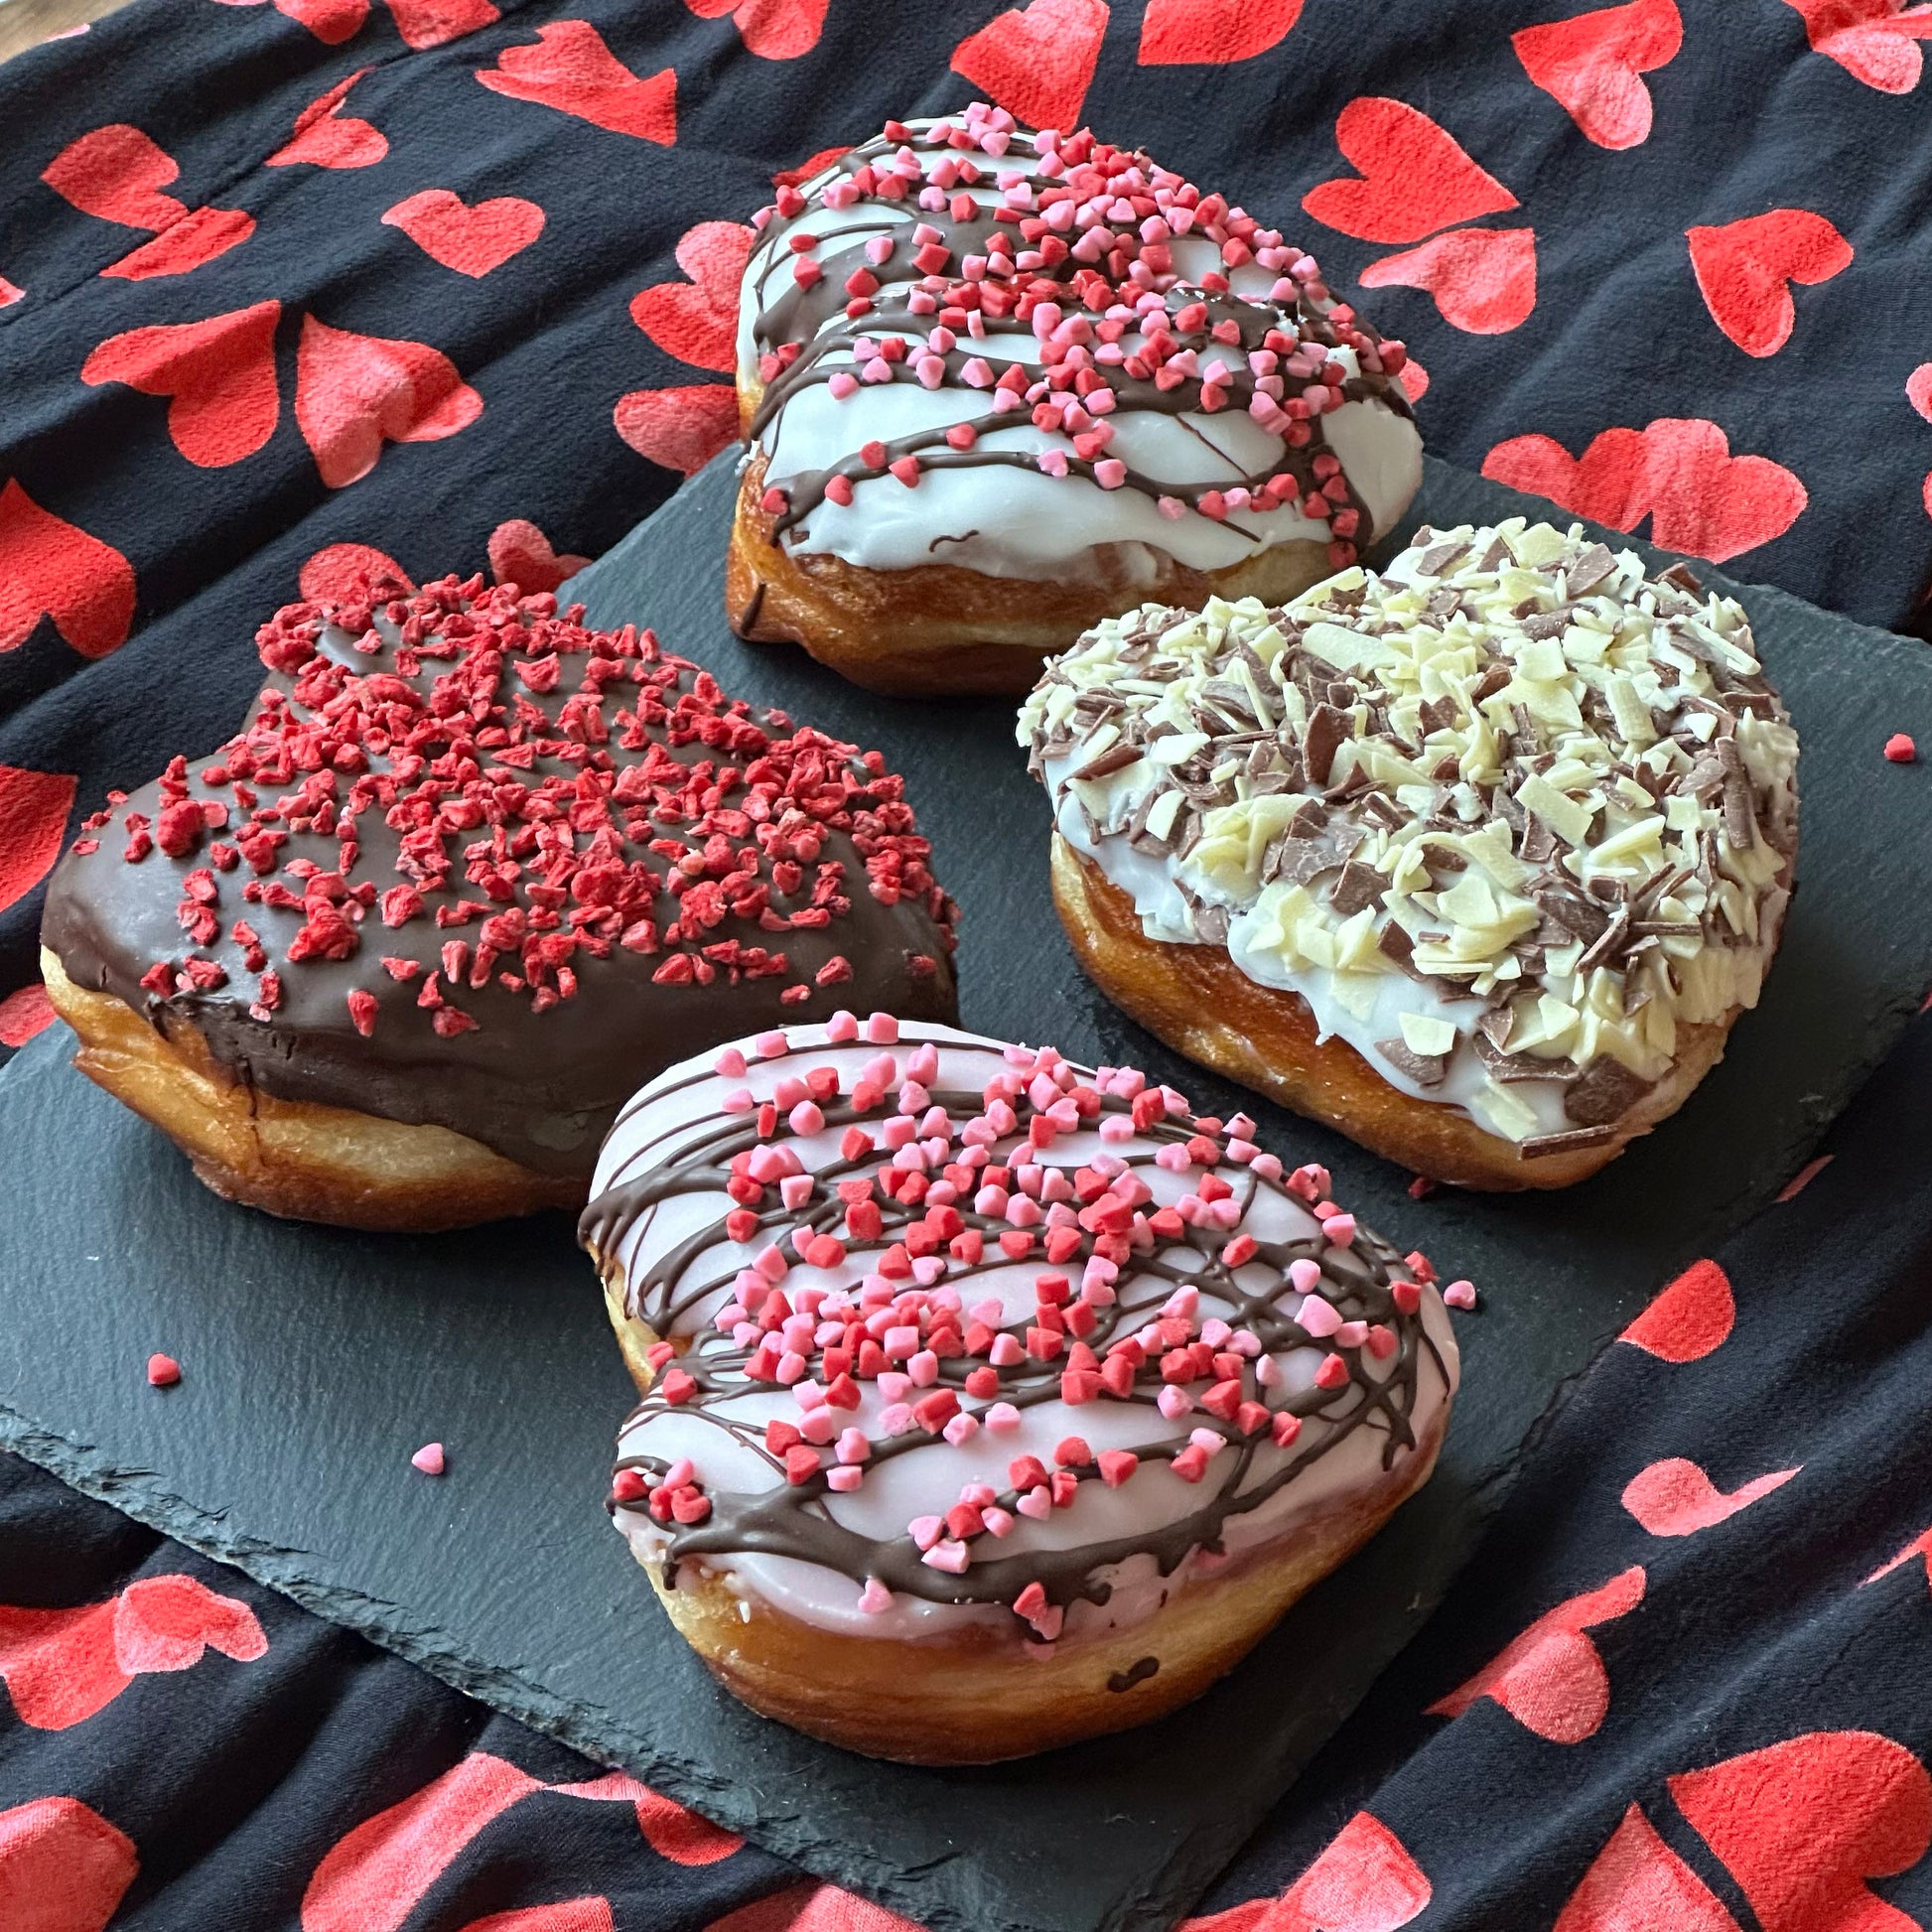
[
  {"x": 1319, "y": 1317},
  {"x": 429, "y": 1459}
]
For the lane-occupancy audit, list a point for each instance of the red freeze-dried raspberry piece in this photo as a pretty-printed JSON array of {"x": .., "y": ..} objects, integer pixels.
[{"x": 563, "y": 793}]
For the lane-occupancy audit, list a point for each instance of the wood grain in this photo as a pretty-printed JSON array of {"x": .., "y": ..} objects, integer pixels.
[{"x": 26, "y": 23}]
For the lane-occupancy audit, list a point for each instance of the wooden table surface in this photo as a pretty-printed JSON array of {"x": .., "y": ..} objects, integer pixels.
[{"x": 26, "y": 23}]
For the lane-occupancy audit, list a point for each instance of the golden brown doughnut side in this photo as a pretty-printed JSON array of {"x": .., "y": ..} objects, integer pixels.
[
  {"x": 635, "y": 1338},
  {"x": 1202, "y": 1003},
  {"x": 980, "y": 1696},
  {"x": 297, "y": 1158},
  {"x": 943, "y": 630}
]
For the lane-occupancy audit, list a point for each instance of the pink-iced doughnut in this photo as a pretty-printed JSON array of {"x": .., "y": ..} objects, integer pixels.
[{"x": 992, "y": 1402}]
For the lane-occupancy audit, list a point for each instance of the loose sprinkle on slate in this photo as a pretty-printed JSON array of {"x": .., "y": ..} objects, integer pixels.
[
  {"x": 1900, "y": 748},
  {"x": 429, "y": 1459},
  {"x": 163, "y": 1371},
  {"x": 1459, "y": 1295},
  {"x": 1803, "y": 1179}
]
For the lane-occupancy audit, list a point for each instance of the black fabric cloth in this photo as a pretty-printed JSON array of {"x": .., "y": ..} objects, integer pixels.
[{"x": 1667, "y": 265}]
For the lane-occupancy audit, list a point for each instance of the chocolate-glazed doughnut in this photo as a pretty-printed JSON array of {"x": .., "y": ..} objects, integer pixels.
[
  {"x": 992, "y": 1402},
  {"x": 1478, "y": 858},
  {"x": 396, "y": 955},
  {"x": 999, "y": 385}
]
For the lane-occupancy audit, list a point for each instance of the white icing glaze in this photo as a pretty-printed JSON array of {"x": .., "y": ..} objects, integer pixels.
[
  {"x": 1003, "y": 520},
  {"x": 679, "y": 1108},
  {"x": 1630, "y": 684},
  {"x": 1156, "y": 891}
]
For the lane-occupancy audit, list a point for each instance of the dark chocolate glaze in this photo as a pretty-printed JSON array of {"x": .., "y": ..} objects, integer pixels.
[
  {"x": 792, "y": 1519},
  {"x": 538, "y": 1081},
  {"x": 798, "y": 331}
]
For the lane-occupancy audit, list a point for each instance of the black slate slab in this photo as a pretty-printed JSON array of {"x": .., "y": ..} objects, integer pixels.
[{"x": 316, "y": 1361}]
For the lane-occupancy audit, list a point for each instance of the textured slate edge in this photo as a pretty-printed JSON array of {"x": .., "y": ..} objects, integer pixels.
[{"x": 144, "y": 1496}]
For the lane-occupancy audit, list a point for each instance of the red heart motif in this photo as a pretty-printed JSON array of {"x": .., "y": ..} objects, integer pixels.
[
  {"x": 1693, "y": 1314},
  {"x": 117, "y": 172},
  {"x": 25, "y": 1013},
  {"x": 1414, "y": 379},
  {"x": 572, "y": 71},
  {"x": 433, "y": 22},
  {"x": 1744, "y": 270},
  {"x": 1362, "y": 1881},
  {"x": 1551, "y": 1679},
  {"x": 794, "y": 177},
  {"x": 352, "y": 393},
  {"x": 371, "y": 1879},
  {"x": 1676, "y": 1499},
  {"x": 221, "y": 374},
  {"x": 520, "y": 554},
  {"x": 1920, "y": 1546},
  {"x": 1918, "y": 390},
  {"x": 1176, "y": 33},
  {"x": 62, "y": 1867},
  {"x": 1589, "y": 63},
  {"x": 1679, "y": 472},
  {"x": 471, "y": 240},
  {"x": 588, "y": 1914},
  {"x": 773, "y": 30},
  {"x": 1872, "y": 39},
  {"x": 1638, "y": 1883},
  {"x": 1606, "y": 483},
  {"x": 339, "y": 572},
  {"x": 198, "y": 238},
  {"x": 1415, "y": 176},
  {"x": 672, "y": 1830},
  {"x": 62, "y": 1666},
  {"x": 331, "y": 21},
  {"x": 683, "y": 428},
  {"x": 811, "y": 1907},
  {"x": 697, "y": 321},
  {"x": 1036, "y": 60},
  {"x": 324, "y": 137},
  {"x": 52, "y": 569},
  {"x": 1802, "y": 1825},
  {"x": 1483, "y": 280},
  {"x": 59, "y": 1666},
  {"x": 34, "y": 808},
  {"x": 1708, "y": 503},
  {"x": 167, "y": 1623}
]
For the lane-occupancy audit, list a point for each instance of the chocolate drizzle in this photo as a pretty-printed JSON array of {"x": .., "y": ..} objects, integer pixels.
[
  {"x": 1120, "y": 332},
  {"x": 1375, "y": 1386}
]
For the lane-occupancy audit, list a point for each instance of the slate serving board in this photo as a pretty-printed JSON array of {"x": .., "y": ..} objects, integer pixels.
[{"x": 316, "y": 1361}]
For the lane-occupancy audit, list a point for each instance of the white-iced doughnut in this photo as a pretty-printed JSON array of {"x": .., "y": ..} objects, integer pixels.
[
  {"x": 1478, "y": 860},
  {"x": 999, "y": 383}
]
